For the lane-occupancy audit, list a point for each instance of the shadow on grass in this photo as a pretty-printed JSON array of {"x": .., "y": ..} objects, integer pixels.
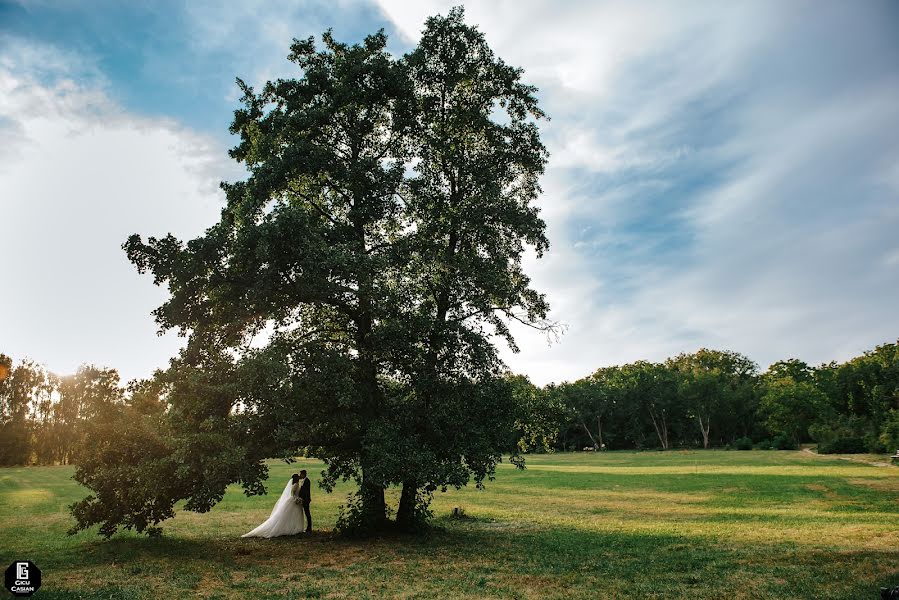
[
  {"x": 483, "y": 557},
  {"x": 476, "y": 558}
]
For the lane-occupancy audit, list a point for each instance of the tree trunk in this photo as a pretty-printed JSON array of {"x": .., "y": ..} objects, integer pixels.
[
  {"x": 705, "y": 430},
  {"x": 666, "y": 444},
  {"x": 373, "y": 506},
  {"x": 405, "y": 514},
  {"x": 592, "y": 439},
  {"x": 372, "y": 492},
  {"x": 599, "y": 430},
  {"x": 661, "y": 427}
]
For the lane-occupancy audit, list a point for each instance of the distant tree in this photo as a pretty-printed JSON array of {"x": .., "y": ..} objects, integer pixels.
[
  {"x": 542, "y": 414},
  {"x": 652, "y": 390},
  {"x": 46, "y": 438},
  {"x": 878, "y": 371},
  {"x": 861, "y": 394},
  {"x": 82, "y": 396},
  {"x": 589, "y": 401},
  {"x": 793, "y": 368},
  {"x": 790, "y": 407},
  {"x": 17, "y": 395},
  {"x": 712, "y": 382}
]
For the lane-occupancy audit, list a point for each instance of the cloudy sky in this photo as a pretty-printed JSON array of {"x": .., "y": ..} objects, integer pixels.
[{"x": 723, "y": 174}]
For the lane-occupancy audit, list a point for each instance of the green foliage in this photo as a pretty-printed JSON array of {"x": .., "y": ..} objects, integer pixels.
[
  {"x": 378, "y": 241},
  {"x": 717, "y": 397},
  {"x": 743, "y": 443},
  {"x": 779, "y": 442},
  {"x": 353, "y": 520},
  {"x": 793, "y": 369},
  {"x": 17, "y": 391},
  {"x": 839, "y": 426},
  {"x": 423, "y": 513},
  {"x": 541, "y": 414},
  {"x": 716, "y": 386},
  {"x": 43, "y": 416},
  {"x": 790, "y": 407},
  {"x": 889, "y": 435},
  {"x": 784, "y": 442},
  {"x": 873, "y": 443},
  {"x": 128, "y": 461},
  {"x": 844, "y": 445}
]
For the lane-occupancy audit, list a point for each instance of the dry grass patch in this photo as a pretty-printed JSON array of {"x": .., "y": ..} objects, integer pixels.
[{"x": 882, "y": 485}]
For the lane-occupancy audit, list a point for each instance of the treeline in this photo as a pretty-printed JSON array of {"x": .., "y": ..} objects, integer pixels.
[
  {"x": 717, "y": 398},
  {"x": 706, "y": 399},
  {"x": 44, "y": 417}
]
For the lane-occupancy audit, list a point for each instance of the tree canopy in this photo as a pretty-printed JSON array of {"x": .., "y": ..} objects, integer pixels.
[{"x": 376, "y": 249}]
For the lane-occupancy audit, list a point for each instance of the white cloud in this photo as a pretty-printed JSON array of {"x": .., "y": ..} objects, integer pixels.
[
  {"x": 721, "y": 174},
  {"x": 82, "y": 175},
  {"x": 785, "y": 245}
]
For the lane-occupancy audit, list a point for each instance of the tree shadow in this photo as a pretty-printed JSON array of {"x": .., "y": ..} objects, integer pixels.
[{"x": 458, "y": 556}]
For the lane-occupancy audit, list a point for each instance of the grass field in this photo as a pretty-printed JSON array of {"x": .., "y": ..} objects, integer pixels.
[{"x": 703, "y": 524}]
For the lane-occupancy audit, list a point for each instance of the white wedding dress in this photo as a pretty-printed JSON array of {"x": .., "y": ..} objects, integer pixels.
[{"x": 287, "y": 517}]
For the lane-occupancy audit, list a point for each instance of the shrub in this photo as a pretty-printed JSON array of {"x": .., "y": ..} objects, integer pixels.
[
  {"x": 844, "y": 445},
  {"x": 873, "y": 444},
  {"x": 422, "y": 513},
  {"x": 743, "y": 443},
  {"x": 889, "y": 433},
  {"x": 784, "y": 442},
  {"x": 765, "y": 445},
  {"x": 354, "y": 521}
]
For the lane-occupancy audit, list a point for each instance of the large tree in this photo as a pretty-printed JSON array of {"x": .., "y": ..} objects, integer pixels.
[
  {"x": 471, "y": 201},
  {"x": 371, "y": 253},
  {"x": 303, "y": 248}
]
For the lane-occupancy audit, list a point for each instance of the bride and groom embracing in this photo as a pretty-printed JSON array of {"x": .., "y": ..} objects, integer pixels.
[{"x": 290, "y": 509}]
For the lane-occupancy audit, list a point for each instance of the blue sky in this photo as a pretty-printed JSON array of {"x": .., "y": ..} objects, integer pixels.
[{"x": 722, "y": 174}]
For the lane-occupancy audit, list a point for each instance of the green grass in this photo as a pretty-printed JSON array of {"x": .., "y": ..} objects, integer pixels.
[{"x": 704, "y": 524}]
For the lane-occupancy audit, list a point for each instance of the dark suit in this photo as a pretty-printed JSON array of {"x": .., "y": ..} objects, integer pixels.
[{"x": 305, "y": 494}]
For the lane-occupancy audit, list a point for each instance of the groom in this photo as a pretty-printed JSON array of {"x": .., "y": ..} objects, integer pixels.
[{"x": 307, "y": 498}]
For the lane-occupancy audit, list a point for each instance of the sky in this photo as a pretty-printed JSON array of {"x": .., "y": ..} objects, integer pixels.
[{"x": 721, "y": 174}]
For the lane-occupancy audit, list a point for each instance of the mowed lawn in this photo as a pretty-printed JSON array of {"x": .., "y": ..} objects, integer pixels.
[{"x": 698, "y": 524}]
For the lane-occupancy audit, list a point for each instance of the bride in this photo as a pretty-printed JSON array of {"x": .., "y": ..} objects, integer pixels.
[{"x": 287, "y": 516}]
